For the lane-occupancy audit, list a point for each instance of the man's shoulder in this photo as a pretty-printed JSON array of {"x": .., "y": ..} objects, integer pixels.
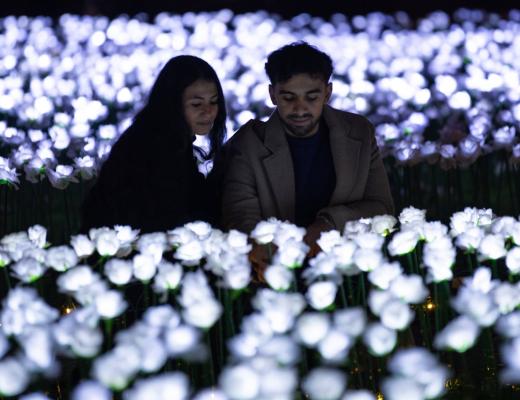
[
  {"x": 251, "y": 133},
  {"x": 347, "y": 117}
]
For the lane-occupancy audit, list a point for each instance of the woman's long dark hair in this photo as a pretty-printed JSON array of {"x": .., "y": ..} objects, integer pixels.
[{"x": 163, "y": 114}]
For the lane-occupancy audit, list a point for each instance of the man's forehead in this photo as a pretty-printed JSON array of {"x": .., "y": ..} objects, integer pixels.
[{"x": 301, "y": 83}]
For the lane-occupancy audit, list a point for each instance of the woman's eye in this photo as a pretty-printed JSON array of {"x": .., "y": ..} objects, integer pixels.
[
  {"x": 288, "y": 98},
  {"x": 196, "y": 104},
  {"x": 312, "y": 98}
]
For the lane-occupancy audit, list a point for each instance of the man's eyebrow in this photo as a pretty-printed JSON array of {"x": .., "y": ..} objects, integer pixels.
[{"x": 312, "y": 91}]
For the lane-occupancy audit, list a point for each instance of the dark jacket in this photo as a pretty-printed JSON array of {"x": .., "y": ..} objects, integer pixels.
[
  {"x": 259, "y": 179},
  {"x": 148, "y": 182}
]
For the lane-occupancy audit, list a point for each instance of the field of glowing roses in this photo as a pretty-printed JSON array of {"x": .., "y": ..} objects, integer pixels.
[
  {"x": 400, "y": 308},
  {"x": 419, "y": 307}
]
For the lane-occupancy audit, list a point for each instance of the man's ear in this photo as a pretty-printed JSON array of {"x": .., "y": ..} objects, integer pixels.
[
  {"x": 271, "y": 94},
  {"x": 328, "y": 92}
]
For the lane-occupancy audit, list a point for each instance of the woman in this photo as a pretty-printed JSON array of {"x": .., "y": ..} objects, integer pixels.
[{"x": 151, "y": 180}]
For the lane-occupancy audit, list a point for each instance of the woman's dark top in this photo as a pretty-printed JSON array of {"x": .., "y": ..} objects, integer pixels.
[{"x": 151, "y": 183}]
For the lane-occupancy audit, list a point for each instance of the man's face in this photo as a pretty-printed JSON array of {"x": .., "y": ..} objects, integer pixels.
[{"x": 300, "y": 102}]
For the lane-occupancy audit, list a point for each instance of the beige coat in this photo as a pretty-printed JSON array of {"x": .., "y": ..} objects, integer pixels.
[{"x": 259, "y": 179}]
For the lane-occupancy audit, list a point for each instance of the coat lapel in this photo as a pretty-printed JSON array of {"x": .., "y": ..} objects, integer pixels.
[
  {"x": 345, "y": 154},
  {"x": 279, "y": 167}
]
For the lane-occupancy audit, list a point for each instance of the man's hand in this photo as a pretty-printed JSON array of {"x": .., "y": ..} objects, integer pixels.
[
  {"x": 314, "y": 231},
  {"x": 260, "y": 257}
]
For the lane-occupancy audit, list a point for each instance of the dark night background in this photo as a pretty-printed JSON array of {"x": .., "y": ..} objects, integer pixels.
[{"x": 323, "y": 8}]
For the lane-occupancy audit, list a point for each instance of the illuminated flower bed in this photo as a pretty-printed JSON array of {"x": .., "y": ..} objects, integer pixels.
[
  {"x": 442, "y": 93},
  {"x": 405, "y": 308}
]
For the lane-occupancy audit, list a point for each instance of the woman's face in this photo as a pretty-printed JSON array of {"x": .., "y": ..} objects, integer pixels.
[{"x": 200, "y": 106}]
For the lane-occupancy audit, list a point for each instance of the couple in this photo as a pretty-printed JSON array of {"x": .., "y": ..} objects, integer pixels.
[{"x": 309, "y": 164}]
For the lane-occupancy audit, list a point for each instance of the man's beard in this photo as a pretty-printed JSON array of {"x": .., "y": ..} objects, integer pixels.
[{"x": 301, "y": 131}]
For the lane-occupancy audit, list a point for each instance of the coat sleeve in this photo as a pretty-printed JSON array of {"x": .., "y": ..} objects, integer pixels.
[
  {"x": 240, "y": 202},
  {"x": 377, "y": 196}
]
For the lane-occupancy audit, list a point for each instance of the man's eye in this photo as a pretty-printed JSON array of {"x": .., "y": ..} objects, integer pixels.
[
  {"x": 288, "y": 98},
  {"x": 196, "y": 105},
  {"x": 313, "y": 98}
]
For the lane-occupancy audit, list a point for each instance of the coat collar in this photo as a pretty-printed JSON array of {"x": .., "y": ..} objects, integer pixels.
[{"x": 279, "y": 166}]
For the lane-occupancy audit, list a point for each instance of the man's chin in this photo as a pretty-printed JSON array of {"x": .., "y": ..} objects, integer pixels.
[{"x": 301, "y": 131}]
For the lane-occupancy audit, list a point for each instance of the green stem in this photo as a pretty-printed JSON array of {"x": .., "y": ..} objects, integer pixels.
[
  {"x": 7, "y": 278},
  {"x": 108, "y": 332}
]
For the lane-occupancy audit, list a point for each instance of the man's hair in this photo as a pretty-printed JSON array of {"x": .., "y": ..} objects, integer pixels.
[{"x": 297, "y": 58}]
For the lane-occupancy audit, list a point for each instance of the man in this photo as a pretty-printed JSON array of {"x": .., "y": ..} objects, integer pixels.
[{"x": 309, "y": 164}]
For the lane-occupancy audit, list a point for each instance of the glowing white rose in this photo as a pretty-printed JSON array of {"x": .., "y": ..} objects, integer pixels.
[
  {"x": 38, "y": 235},
  {"x": 324, "y": 384},
  {"x": 238, "y": 276},
  {"x": 166, "y": 386},
  {"x": 470, "y": 239},
  {"x": 240, "y": 382},
  {"x": 203, "y": 314},
  {"x": 200, "y": 228},
  {"x": 61, "y": 258},
  {"x": 291, "y": 254},
  {"x": 118, "y": 271},
  {"x": 354, "y": 228},
  {"x": 383, "y": 224},
  {"x": 409, "y": 288},
  {"x": 508, "y": 325},
  {"x": 434, "y": 230},
  {"x": 311, "y": 328},
  {"x": 459, "y": 335},
  {"x": 110, "y": 304},
  {"x": 278, "y": 383},
  {"x": 398, "y": 388},
  {"x": 379, "y": 339},
  {"x": 88, "y": 390},
  {"x": 403, "y": 242},
  {"x": 384, "y": 274},
  {"x": 344, "y": 253},
  {"x": 513, "y": 260},
  {"x": 190, "y": 253},
  {"x": 396, "y": 315},
  {"x": 28, "y": 269},
  {"x": 82, "y": 245},
  {"x": 264, "y": 231},
  {"x": 329, "y": 239},
  {"x": 410, "y": 215},
  {"x": 368, "y": 259},
  {"x": 14, "y": 378},
  {"x": 351, "y": 321},
  {"x": 144, "y": 267},
  {"x": 181, "y": 339},
  {"x": 278, "y": 277},
  {"x": 237, "y": 241},
  {"x": 506, "y": 296},
  {"x": 358, "y": 395},
  {"x": 321, "y": 295},
  {"x": 107, "y": 243},
  {"x": 477, "y": 305},
  {"x": 377, "y": 300},
  {"x": 369, "y": 240},
  {"x": 168, "y": 277},
  {"x": 335, "y": 345},
  {"x": 76, "y": 278},
  {"x": 118, "y": 367},
  {"x": 287, "y": 231},
  {"x": 492, "y": 247}
]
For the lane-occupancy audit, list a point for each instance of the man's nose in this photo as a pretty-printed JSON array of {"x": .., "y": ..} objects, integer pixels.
[{"x": 300, "y": 107}]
